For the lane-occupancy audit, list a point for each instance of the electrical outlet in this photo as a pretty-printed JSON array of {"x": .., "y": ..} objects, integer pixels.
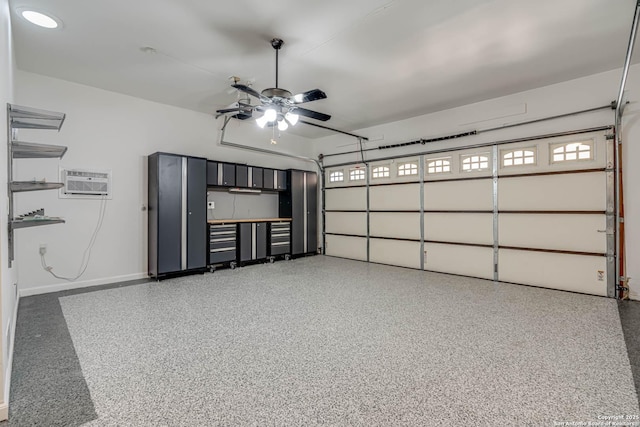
[{"x": 43, "y": 248}]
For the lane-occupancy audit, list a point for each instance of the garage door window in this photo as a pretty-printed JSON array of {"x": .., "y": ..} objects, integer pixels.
[
  {"x": 475, "y": 162},
  {"x": 380, "y": 172},
  {"x": 336, "y": 176},
  {"x": 442, "y": 165},
  {"x": 572, "y": 151},
  {"x": 406, "y": 169},
  {"x": 356, "y": 175},
  {"x": 519, "y": 157}
]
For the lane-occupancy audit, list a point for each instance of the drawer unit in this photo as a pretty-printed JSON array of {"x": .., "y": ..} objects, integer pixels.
[
  {"x": 280, "y": 238},
  {"x": 222, "y": 243}
]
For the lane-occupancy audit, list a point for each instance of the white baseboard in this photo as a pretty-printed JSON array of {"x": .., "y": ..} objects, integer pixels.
[
  {"x": 4, "y": 407},
  {"x": 77, "y": 285}
]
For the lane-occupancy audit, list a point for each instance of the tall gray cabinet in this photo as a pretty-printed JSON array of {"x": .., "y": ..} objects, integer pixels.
[
  {"x": 177, "y": 214},
  {"x": 300, "y": 203}
]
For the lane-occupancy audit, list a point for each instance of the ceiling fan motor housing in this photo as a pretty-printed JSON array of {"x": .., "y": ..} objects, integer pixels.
[{"x": 275, "y": 92}]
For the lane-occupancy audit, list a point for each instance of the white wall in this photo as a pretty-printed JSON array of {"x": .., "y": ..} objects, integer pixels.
[
  {"x": 7, "y": 275},
  {"x": 580, "y": 94},
  {"x": 107, "y": 130}
]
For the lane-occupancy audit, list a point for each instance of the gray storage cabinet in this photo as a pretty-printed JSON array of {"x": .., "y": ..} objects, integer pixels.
[
  {"x": 242, "y": 176},
  {"x": 299, "y": 202},
  {"x": 252, "y": 241},
  {"x": 177, "y": 212}
]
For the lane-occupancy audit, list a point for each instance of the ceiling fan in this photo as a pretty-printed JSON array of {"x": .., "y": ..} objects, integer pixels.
[{"x": 277, "y": 106}]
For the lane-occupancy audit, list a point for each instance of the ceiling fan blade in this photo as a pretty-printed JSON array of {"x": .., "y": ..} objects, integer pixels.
[
  {"x": 308, "y": 96},
  {"x": 252, "y": 92},
  {"x": 246, "y": 89},
  {"x": 239, "y": 113},
  {"x": 242, "y": 115},
  {"x": 242, "y": 110},
  {"x": 311, "y": 114},
  {"x": 228, "y": 110}
]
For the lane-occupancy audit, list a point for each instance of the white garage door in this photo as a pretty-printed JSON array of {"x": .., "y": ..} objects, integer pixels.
[{"x": 539, "y": 212}]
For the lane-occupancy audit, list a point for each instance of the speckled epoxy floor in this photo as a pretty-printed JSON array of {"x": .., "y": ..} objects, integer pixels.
[{"x": 329, "y": 341}]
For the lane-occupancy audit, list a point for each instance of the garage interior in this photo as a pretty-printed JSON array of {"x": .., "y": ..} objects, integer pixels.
[{"x": 444, "y": 231}]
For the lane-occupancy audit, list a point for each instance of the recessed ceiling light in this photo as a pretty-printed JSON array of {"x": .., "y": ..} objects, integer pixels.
[{"x": 40, "y": 19}]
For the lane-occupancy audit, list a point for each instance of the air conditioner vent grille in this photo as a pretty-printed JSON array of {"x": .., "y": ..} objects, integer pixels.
[{"x": 83, "y": 183}]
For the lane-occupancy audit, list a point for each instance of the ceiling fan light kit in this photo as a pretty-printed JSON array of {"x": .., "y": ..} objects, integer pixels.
[{"x": 279, "y": 107}]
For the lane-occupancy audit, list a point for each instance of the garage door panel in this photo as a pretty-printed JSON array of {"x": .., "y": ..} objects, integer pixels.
[
  {"x": 395, "y": 252},
  {"x": 577, "y": 273},
  {"x": 399, "y": 197},
  {"x": 475, "y": 194},
  {"x": 565, "y": 192},
  {"x": 459, "y": 227},
  {"x": 346, "y": 199},
  {"x": 346, "y": 247},
  {"x": 395, "y": 224},
  {"x": 471, "y": 261},
  {"x": 579, "y": 233},
  {"x": 346, "y": 223}
]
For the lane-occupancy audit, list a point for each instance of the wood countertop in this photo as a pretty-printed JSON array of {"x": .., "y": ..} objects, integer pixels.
[{"x": 233, "y": 221}]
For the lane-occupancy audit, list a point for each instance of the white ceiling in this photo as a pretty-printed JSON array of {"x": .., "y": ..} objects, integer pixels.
[{"x": 377, "y": 60}]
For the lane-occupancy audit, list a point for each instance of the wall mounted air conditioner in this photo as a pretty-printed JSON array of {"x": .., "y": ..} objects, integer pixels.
[{"x": 85, "y": 184}]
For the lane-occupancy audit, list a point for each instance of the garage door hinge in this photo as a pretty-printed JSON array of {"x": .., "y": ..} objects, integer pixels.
[
  {"x": 622, "y": 288},
  {"x": 610, "y": 136}
]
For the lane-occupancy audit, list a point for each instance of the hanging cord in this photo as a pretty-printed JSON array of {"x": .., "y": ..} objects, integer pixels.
[{"x": 86, "y": 257}]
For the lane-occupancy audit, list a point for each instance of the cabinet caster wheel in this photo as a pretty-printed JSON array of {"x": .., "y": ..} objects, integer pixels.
[
  {"x": 212, "y": 269},
  {"x": 232, "y": 265},
  {"x": 272, "y": 259},
  {"x": 287, "y": 257}
]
